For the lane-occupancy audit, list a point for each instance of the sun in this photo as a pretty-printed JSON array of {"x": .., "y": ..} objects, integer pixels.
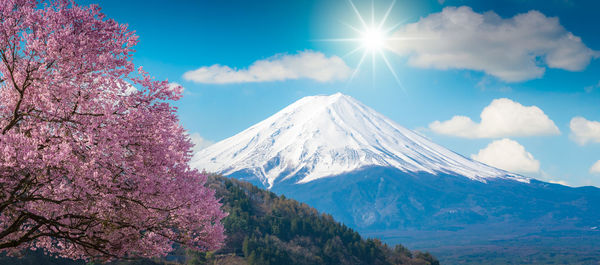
[{"x": 373, "y": 39}]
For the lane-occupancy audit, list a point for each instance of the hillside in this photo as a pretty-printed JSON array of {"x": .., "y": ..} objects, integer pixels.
[
  {"x": 263, "y": 228},
  {"x": 267, "y": 229}
]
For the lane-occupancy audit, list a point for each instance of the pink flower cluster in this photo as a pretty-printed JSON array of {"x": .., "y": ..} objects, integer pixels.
[{"x": 93, "y": 161}]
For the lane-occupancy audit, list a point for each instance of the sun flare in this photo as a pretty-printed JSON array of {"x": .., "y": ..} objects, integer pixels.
[{"x": 373, "y": 39}]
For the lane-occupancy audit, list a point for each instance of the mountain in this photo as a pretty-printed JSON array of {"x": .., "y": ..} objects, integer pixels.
[
  {"x": 386, "y": 181},
  {"x": 263, "y": 228},
  {"x": 322, "y": 136}
]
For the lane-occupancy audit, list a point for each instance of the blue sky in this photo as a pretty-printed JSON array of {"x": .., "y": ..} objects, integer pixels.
[{"x": 452, "y": 58}]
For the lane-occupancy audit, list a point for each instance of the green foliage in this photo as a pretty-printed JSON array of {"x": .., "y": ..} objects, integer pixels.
[{"x": 264, "y": 228}]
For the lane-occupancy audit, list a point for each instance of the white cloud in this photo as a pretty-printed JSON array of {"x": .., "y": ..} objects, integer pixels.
[
  {"x": 199, "y": 142},
  {"x": 512, "y": 49},
  {"x": 595, "y": 169},
  {"x": 583, "y": 130},
  {"x": 509, "y": 155},
  {"x": 502, "y": 118},
  {"x": 304, "y": 65}
]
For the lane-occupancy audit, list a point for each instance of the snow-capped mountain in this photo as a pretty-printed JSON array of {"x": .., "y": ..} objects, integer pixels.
[{"x": 320, "y": 136}]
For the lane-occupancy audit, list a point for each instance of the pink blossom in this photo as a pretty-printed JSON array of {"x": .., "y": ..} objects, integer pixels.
[{"x": 87, "y": 168}]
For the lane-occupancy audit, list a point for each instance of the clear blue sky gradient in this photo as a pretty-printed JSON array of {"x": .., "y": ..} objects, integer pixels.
[{"x": 178, "y": 36}]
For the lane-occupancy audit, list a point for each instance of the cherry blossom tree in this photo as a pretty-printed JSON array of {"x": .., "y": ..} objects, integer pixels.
[{"x": 94, "y": 163}]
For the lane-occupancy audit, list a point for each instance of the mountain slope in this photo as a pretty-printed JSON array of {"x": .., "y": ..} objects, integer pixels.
[{"x": 322, "y": 136}]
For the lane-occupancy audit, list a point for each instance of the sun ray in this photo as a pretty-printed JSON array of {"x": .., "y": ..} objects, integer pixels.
[
  {"x": 358, "y": 14},
  {"x": 358, "y": 66},
  {"x": 390, "y": 29},
  {"x": 372, "y": 13},
  {"x": 387, "y": 13},
  {"x": 373, "y": 65},
  {"x": 392, "y": 71},
  {"x": 353, "y": 51},
  {"x": 352, "y": 27},
  {"x": 340, "y": 39}
]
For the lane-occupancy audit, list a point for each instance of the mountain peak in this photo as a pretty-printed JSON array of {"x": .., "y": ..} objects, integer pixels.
[
  {"x": 327, "y": 135},
  {"x": 337, "y": 96},
  {"x": 322, "y": 100}
]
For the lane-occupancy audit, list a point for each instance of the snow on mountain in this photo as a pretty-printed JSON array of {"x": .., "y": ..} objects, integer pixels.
[{"x": 320, "y": 136}]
